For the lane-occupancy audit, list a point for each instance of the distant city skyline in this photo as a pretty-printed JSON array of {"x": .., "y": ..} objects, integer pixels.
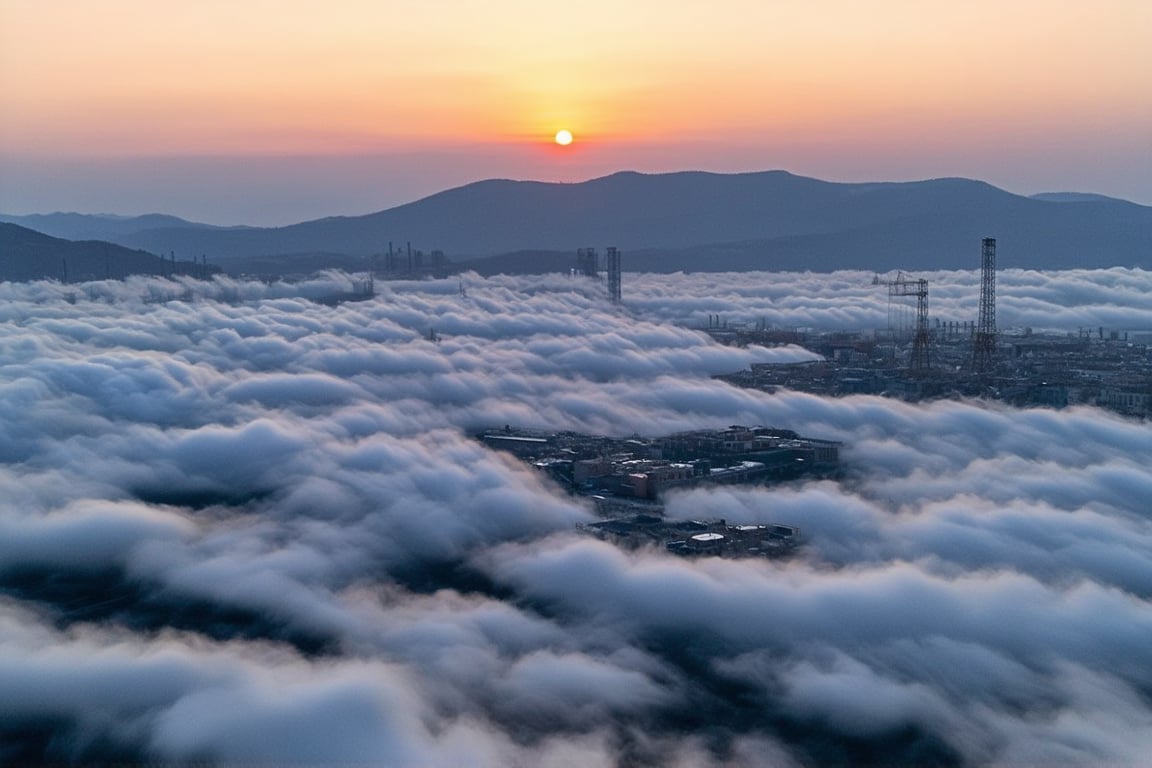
[{"x": 272, "y": 113}]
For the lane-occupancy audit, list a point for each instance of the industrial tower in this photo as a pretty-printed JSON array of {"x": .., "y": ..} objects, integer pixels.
[
  {"x": 587, "y": 263},
  {"x": 984, "y": 342},
  {"x": 614, "y": 275},
  {"x": 906, "y": 286}
]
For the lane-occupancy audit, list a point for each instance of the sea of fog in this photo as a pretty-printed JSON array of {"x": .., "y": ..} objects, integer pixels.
[{"x": 250, "y": 528}]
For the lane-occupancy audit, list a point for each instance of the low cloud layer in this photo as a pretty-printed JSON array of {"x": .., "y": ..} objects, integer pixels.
[
  {"x": 251, "y": 528},
  {"x": 1061, "y": 301}
]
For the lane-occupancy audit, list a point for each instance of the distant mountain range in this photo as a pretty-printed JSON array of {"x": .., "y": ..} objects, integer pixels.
[
  {"x": 26, "y": 254},
  {"x": 684, "y": 221},
  {"x": 100, "y": 226}
]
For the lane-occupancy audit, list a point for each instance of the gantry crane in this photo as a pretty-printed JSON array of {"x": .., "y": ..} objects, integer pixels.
[{"x": 907, "y": 286}]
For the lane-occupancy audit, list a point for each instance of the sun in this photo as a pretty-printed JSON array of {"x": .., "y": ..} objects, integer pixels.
[{"x": 564, "y": 137}]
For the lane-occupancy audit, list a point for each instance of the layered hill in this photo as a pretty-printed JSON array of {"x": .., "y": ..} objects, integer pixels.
[
  {"x": 29, "y": 255},
  {"x": 99, "y": 226},
  {"x": 706, "y": 221}
]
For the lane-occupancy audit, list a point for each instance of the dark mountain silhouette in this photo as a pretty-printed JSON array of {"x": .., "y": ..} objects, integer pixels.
[
  {"x": 29, "y": 255},
  {"x": 99, "y": 226},
  {"x": 707, "y": 221}
]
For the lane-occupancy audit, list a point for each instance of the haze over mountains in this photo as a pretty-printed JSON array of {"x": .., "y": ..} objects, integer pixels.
[{"x": 691, "y": 221}]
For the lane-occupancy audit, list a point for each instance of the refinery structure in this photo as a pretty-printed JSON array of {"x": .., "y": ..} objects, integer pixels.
[
  {"x": 407, "y": 263},
  {"x": 588, "y": 265},
  {"x": 953, "y": 359},
  {"x": 913, "y": 359}
]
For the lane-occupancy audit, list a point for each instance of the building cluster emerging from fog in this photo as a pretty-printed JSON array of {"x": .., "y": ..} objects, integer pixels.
[
  {"x": 1108, "y": 369},
  {"x": 626, "y": 477}
]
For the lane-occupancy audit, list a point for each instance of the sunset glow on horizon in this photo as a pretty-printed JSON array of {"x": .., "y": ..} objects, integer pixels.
[{"x": 1022, "y": 94}]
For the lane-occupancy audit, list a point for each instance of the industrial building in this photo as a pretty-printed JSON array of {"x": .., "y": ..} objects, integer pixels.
[
  {"x": 406, "y": 263},
  {"x": 643, "y": 468},
  {"x": 625, "y": 479},
  {"x": 588, "y": 265},
  {"x": 1029, "y": 369},
  {"x": 951, "y": 359},
  {"x": 698, "y": 538}
]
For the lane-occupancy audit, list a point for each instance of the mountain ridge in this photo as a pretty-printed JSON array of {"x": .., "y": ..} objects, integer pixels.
[
  {"x": 691, "y": 216},
  {"x": 26, "y": 254},
  {"x": 99, "y": 226}
]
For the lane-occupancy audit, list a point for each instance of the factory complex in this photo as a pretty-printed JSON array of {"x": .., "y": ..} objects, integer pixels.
[
  {"x": 625, "y": 477},
  {"x": 953, "y": 359},
  {"x": 698, "y": 537},
  {"x": 1100, "y": 368},
  {"x": 639, "y": 468}
]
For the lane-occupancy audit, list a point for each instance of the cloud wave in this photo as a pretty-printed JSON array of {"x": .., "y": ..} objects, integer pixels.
[{"x": 251, "y": 527}]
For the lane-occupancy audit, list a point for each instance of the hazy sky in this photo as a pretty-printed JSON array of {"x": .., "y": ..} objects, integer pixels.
[{"x": 269, "y": 111}]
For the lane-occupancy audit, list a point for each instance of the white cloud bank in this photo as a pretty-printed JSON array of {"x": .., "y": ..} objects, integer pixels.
[{"x": 252, "y": 529}]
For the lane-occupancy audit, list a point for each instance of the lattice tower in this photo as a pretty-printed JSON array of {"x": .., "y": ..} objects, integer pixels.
[
  {"x": 614, "y": 275},
  {"x": 920, "y": 359},
  {"x": 984, "y": 341}
]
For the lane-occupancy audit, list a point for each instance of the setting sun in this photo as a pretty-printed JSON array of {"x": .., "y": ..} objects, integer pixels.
[{"x": 564, "y": 137}]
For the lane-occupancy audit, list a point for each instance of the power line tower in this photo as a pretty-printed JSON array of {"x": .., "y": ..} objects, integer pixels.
[
  {"x": 906, "y": 286},
  {"x": 984, "y": 342},
  {"x": 614, "y": 275}
]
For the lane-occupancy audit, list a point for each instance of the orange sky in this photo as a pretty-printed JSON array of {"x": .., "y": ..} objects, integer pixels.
[{"x": 838, "y": 88}]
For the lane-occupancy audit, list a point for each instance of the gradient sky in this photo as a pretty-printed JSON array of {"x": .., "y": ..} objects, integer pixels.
[{"x": 272, "y": 111}]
